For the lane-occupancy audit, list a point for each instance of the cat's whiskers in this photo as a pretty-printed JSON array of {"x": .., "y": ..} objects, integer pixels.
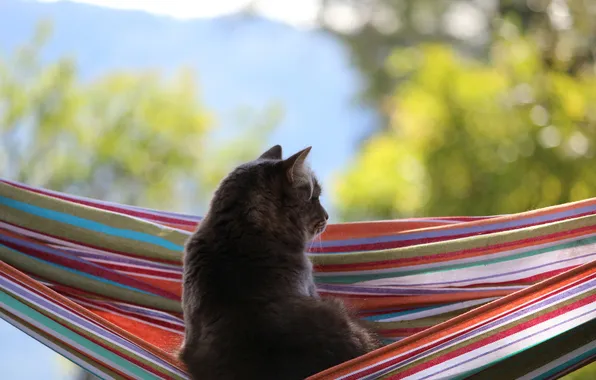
[
  {"x": 313, "y": 244},
  {"x": 320, "y": 239}
]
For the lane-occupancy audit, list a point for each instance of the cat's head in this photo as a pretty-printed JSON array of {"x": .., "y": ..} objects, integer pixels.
[{"x": 280, "y": 196}]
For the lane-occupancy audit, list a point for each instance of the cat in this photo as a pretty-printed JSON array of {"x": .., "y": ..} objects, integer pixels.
[{"x": 250, "y": 303}]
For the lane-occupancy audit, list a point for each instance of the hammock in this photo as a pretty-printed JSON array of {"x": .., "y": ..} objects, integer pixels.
[{"x": 509, "y": 296}]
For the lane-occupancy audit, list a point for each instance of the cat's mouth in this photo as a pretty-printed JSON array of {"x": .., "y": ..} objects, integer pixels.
[{"x": 319, "y": 228}]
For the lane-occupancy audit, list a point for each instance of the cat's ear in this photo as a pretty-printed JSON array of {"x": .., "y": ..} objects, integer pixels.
[
  {"x": 273, "y": 153},
  {"x": 294, "y": 165}
]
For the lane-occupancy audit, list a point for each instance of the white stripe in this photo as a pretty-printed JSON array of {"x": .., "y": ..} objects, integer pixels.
[
  {"x": 118, "y": 303},
  {"x": 561, "y": 360},
  {"x": 474, "y": 275},
  {"x": 438, "y": 310},
  {"x": 455, "y": 290},
  {"x": 135, "y": 266},
  {"x": 408, "y": 291},
  {"x": 148, "y": 276}
]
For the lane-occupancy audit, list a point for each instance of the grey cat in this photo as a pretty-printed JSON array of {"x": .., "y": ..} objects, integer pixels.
[{"x": 250, "y": 304}]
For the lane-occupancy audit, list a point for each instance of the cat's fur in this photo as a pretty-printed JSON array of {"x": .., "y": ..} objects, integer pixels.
[{"x": 250, "y": 305}]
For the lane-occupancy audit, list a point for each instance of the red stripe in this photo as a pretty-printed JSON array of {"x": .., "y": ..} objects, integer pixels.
[
  {"x": 136, "y": 270},
  {"x": 403, "y": 332},
  {"x": 534, "y": 279}
]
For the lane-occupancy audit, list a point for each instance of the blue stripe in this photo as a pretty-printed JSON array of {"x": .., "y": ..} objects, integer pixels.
[{"x": 89, "y": 224}]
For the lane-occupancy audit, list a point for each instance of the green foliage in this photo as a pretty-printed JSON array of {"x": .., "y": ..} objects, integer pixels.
[
  {"x": 565, "y": 31},
  {"x": 467, "y": 137},
  {"x": 128, "y": 137}
]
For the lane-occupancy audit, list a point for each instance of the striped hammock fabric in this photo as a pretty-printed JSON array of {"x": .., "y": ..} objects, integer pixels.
[{"x": 505, "y": 297}]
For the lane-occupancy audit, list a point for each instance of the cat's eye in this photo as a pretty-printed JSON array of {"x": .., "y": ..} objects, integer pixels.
[{"x": 314, "y": 199}]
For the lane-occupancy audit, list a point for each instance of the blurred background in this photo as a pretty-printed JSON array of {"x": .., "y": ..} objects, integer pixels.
[{"x": 413, "y": 107}]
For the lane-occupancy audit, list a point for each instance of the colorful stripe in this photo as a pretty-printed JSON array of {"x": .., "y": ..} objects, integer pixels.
[{"x": 453, "y": 297}]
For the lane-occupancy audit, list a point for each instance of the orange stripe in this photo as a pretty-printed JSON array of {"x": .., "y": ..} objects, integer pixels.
[{"x": 355, "y": 230}]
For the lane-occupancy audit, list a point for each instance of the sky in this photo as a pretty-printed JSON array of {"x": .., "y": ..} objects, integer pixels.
[{"x": 301, "y": 14}]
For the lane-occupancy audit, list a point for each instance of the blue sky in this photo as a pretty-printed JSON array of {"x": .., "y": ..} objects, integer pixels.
[{"x": 22, "y": 357}]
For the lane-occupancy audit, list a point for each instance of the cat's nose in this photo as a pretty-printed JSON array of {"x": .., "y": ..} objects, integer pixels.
[{"x": 325, "y": 215}]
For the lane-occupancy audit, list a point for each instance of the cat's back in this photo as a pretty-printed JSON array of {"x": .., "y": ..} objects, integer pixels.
[{"x": 288, "y": 339}]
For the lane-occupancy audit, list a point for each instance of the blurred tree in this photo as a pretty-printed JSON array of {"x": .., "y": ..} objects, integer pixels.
[
  {"x": 472, "y": 138},
  {"x": 564, "y": 31},
  {"x": 373, "y": 28},
  {"x": 126, "y": 137}
]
